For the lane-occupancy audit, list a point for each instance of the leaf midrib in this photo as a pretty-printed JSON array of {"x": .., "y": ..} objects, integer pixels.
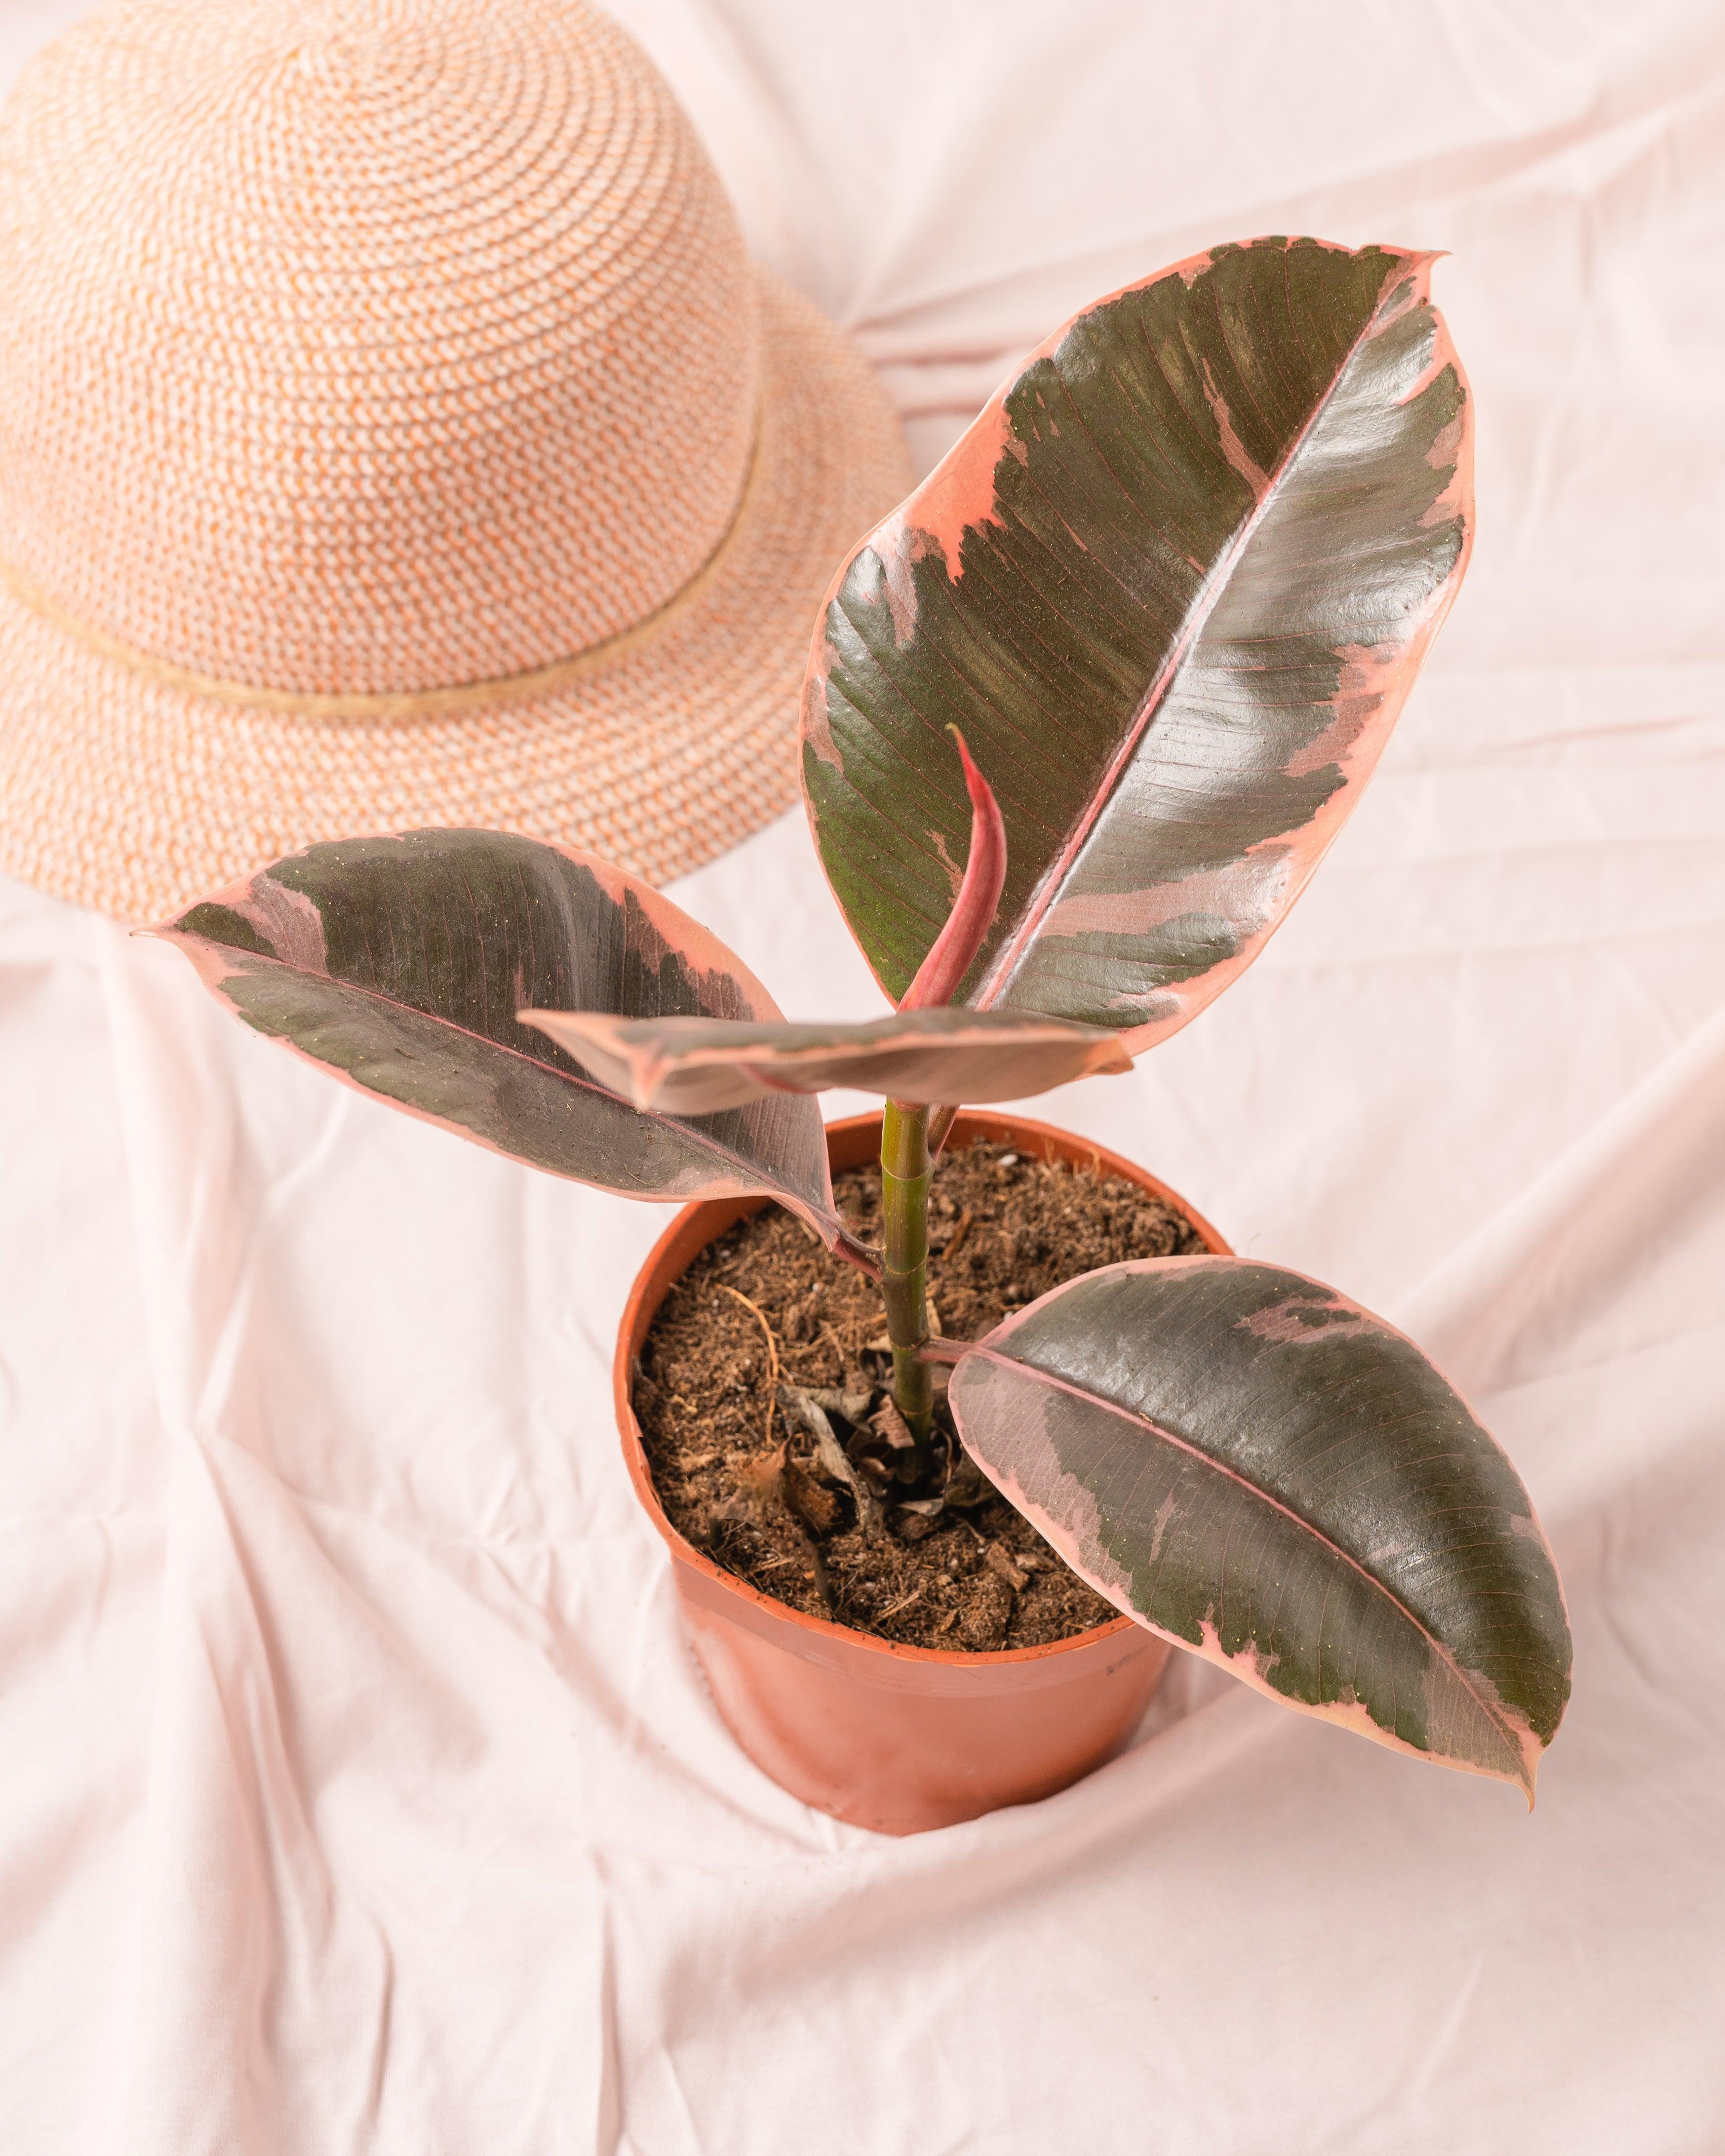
[
  {"x": 1494, "y": 1714},
  {"x": 1014, "y": 951},
  {"x": 1033, "y": 1033},
  {"x": 576, "y": 1080}
]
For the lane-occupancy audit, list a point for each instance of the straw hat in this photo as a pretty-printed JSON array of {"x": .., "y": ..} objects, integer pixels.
[{"x": 393, "y": 430}]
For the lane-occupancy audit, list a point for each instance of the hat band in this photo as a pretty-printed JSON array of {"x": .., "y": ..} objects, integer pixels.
[{"x": 398, "y": 706}]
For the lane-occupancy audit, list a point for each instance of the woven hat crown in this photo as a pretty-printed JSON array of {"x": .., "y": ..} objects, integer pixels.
[{"x": 352, "y": 347}]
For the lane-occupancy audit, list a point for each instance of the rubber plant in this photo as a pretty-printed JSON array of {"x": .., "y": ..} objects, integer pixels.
[{"x": 1082, "y": 715}]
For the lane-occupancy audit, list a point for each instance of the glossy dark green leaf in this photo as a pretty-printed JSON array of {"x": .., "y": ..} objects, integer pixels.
[
  {"x": 692, "y": 1066},
  {"x": 1173, "y": 585},
  {"x": 1252, "y": 1465},
  {"x": 399, "y": 964}
]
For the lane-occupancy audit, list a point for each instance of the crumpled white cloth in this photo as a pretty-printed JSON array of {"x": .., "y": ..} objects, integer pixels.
[{"x": 355, "y": 1790}]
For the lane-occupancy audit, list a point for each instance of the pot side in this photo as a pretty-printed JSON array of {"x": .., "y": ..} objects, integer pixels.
[{"x": 896, "y": 1738}]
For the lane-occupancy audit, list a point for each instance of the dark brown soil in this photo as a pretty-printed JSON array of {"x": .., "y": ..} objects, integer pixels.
[{"x": 765, "y": 1306}]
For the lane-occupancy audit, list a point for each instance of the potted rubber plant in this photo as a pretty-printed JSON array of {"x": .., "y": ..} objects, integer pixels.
[{"x": 1081, "y": 717}]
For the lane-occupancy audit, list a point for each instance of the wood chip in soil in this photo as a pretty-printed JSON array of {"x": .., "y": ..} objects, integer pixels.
[{"x": 740, "y": 1478}]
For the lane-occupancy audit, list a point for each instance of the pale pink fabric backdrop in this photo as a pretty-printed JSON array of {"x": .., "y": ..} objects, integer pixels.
[{"x": 356, "y": 1792}]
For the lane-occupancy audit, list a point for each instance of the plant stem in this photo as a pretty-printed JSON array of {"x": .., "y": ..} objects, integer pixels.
[{"x": 904, "y": 1278}]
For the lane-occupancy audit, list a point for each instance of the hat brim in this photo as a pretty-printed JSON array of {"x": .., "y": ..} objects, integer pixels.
[{"x": 133, "y": 797}]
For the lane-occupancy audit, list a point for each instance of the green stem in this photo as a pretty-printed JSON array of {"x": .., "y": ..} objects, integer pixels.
[{"x": 904, "y": 1278}]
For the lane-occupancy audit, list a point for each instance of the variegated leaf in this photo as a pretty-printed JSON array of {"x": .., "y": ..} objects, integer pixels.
[
  {"x": 399, "y": 964},
  {"x": 691, "y": 1066},
  {"x": 1174, "y": 584},
  {"x": 1254, "y": 1467}
]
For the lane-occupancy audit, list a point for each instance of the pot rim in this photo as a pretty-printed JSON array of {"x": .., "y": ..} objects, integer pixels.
[{"x": 637, "y": 1317}]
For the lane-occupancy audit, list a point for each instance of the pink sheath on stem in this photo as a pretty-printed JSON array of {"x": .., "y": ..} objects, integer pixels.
[{"x": 954, "y": 950}]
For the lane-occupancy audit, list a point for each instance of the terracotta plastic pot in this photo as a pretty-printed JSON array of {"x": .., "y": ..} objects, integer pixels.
[{"x": 894, "y": 1738}]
